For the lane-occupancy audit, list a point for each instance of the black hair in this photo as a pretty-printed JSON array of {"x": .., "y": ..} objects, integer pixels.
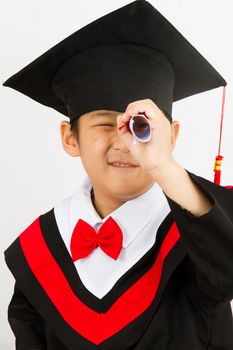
[
  {"x": 74, "y": 127},
  {"x": 168, "y": 116}
]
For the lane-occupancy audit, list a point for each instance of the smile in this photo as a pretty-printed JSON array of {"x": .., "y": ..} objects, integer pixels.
[{"x": 123, "y": 165}]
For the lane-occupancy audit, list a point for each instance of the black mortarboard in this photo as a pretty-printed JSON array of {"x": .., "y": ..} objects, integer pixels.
[{"x": 129, "y": 54}]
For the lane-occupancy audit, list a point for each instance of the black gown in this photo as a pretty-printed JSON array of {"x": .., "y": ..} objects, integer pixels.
[{"x": 177, "y": 296}]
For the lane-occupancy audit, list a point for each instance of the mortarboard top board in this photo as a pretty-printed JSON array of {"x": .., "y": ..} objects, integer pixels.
[{"x": 128, "y": 54}]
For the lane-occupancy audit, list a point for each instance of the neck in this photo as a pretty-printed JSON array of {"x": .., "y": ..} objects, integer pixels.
[{"x": 103, "y": 204}]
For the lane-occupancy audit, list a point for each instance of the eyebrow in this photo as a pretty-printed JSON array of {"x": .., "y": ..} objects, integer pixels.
[{"x": 104, "y": 113}]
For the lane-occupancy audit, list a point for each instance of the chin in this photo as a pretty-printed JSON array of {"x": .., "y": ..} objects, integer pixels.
[{"x": 128, "y": 193}]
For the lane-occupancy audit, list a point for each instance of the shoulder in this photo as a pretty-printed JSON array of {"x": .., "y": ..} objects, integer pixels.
[{"x": 44, "y": 221}]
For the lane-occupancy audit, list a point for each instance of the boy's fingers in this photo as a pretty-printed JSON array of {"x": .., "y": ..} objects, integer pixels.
[
  {"x": 147, "y": 107},
  {"x": 121, "y": 125},
  {"x": 124, "y": 129},
  {"x": 127, "y": 138},
  {"x": 122, "y": 118}
]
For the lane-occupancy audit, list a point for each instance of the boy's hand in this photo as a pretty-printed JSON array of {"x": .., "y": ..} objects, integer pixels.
[
  {"x": 157, "y": 152},
  {"x": 156, "y": 157}
]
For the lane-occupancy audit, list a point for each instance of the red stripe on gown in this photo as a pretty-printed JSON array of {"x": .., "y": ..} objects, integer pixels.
[{"x": 94, "y": 326}]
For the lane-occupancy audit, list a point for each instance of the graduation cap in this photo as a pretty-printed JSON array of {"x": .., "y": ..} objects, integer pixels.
[{"x": 128, "y": 54}]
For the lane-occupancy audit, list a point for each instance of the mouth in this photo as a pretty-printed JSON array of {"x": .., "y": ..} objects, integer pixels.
[{"x": 119, "y": 164}]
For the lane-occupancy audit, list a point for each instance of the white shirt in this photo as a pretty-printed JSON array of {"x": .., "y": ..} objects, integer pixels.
[{"x": 139, "y": 220}]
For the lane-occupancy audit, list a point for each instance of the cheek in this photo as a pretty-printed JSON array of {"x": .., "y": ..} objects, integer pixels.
[
  {"x": 96, "y": 149},
  {"x": 99, "y": 144}
]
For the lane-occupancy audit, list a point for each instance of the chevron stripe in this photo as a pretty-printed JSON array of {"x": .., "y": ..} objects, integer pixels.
[{"x": 95, "y": 327}]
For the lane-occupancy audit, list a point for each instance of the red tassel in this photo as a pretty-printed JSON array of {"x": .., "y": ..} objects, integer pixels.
[
  {"x": 219, "y": 158},
  {"x": 217, "y": 169}
]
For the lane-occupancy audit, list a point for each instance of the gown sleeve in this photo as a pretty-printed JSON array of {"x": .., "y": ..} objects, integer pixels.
[
  {"x": 26, "y": 324},
  {"x": 209, "y": 240}
]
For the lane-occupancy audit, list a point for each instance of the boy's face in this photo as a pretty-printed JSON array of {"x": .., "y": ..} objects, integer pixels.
[{"x": 98, "y": 145}]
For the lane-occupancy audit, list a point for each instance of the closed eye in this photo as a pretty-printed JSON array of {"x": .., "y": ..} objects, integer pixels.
[{"x": 105, "y": 125}]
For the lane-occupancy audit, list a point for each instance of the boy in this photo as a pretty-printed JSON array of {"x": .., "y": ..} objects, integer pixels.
[{"x": 158, "y": 274}]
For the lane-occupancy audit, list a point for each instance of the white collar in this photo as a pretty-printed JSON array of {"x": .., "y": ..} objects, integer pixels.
[{"x": 132, "y": 216}]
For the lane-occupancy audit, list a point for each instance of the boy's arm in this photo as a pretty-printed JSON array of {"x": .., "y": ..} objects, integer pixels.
[
  {"x": 203, "y": 212},
  {"x": 179, "y": 186},
  {"x": 26, "y": 324}
]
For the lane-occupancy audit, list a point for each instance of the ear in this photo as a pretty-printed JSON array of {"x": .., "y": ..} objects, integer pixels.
[
  {"x": 175, "y": 129},
  {"x": 69, "y": 142}
]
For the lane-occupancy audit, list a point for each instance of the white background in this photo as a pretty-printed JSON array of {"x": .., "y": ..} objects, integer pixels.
[{"x": 35, "y": 170}]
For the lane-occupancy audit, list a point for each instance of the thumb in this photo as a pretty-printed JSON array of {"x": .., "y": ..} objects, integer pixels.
[{"x": 124, "y": 132}]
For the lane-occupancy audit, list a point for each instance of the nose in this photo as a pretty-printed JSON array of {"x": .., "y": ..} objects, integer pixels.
[{"x": 119, "y": 144}]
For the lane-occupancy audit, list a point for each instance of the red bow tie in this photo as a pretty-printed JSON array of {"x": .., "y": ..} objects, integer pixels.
[{"x": 85, "y": 239}]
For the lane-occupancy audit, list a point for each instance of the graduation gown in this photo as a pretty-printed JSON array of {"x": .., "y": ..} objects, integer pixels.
[{"x": 176, "y": 296}]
